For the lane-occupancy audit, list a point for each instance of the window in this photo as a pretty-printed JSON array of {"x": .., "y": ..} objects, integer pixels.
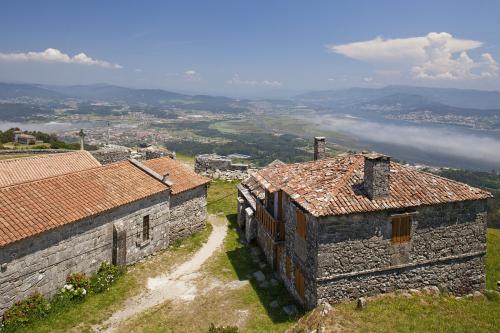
[
  {"x": 299, "y": 282},
  {"x": 401, "y": 226},
  {"x": 288, "y": 268},
  {"x": 145, "y": 228},
  {"x": 301, "y": 224}
]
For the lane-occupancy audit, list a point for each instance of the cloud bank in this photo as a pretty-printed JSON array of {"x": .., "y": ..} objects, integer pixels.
[
  {"x": 51, "y": 55},
  {"x": 436, "y": 140},
  {"x": 236, "y": 80},
  {"x": 436, "y": 56}
]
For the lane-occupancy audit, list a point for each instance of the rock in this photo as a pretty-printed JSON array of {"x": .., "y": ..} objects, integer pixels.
[
  {"x": 290, "y": 310},
  {"x": 325, "y": 309},
  {"x": 259, "y": 276},
  {"x": 477, "y": 294},
  {"x": 262, "y": 264},
  {"x": 415, "y": 292},
  {"x": 432, "y": 290},
  {"x": 274, "y": 304},
  {"x": 273, "y": 282},
  {"x": 362, "y": 303}
]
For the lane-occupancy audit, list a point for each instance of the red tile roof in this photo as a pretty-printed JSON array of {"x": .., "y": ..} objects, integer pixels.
[
  {"x": 26, "y": 169},
  {"x": 333, "y": 186},
  {"x": 181, "y": 176},
  {"x": 31, "y": 208}
]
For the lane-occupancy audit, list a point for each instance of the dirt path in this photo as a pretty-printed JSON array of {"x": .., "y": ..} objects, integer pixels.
[{"x": 178, "y": 284}]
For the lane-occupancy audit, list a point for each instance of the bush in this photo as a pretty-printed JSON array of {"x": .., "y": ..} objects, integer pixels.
[
  {"x": 76, "y": 287},
  {"x": 105, "y": 277},
  {"x": 34, "y": 306},
  {"x": 222, "y": 329}
]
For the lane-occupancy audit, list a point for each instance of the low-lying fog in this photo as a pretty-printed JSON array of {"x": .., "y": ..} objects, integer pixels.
[{"x": 433, "y": 145}]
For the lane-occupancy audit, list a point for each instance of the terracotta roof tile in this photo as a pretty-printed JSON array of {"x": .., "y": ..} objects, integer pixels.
[
  {"x": 181, "y": 176},
  {"x": 29, "y": 209},
  {"x": 334, "y": 186},
  {"x": 26, "y": 169}
]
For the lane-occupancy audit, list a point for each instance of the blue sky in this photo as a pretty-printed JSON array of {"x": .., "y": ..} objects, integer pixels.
[{"x": 251, "y": 48}]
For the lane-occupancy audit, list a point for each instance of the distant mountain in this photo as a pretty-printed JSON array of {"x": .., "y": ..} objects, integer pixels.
[
  {"x": 19, "y": 90},
  {"x": 401, "y": 103},
  {"x": 110, "y": 93},
  {"x": 122, "y": 95},
  {"x": 460, "y": 98}
]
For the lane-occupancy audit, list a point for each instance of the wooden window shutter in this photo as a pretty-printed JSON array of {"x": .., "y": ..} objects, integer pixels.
[
  {"x": 288, "y": 267},
  {"x": 401, "y": 229},
  {"x": 301, "y": 224},
  {"x": 299, "y": 282}
]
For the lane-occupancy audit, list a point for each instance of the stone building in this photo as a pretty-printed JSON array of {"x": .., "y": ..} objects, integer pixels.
[
  {"x": 358, "y": 224},
  {"x": 66, "y": 213},
  {"x": 217, "y": 166},
  {"x": 24, "y": 139}
]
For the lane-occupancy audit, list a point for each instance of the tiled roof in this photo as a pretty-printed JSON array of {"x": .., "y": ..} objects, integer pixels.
[
  {"x": 181, "y": 176},
  {"x": 26, "y": 169},
  {"x": 31, "y": 208},
  {"x": 333, "y": 186}
]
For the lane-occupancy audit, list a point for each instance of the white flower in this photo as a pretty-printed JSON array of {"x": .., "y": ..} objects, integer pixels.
[{"x": 84, "y": 292}]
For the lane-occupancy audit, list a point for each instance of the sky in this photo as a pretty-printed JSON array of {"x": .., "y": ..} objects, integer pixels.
[{"x": 251, "y": 48}]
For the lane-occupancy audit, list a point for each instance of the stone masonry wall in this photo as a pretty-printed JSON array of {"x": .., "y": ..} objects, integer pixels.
[
  {"x": 188, "y": 212},
  {"x": 446, "y": 248},
  {"x": 306, "y": 259},
  {"x": 42, "y": 263},
  {"x": 109, "y": 156}
]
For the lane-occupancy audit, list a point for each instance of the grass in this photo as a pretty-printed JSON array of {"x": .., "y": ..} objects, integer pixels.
[
  {"x": 186, "y": 159},
  {"x": 423, "y": 313},
  {"x": 493, "y": 258},
  {"x": 81, "y": 316}
]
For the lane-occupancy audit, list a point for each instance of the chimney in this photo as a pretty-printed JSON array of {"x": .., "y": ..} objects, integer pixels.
[
  {"x": 319, "y": 147},
  {"x": 377, "y": 175}
]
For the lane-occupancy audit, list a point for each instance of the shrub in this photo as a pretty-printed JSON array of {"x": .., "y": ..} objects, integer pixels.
[
  {"x": 105, "y": 277},
  {"x": 77, "y": 286},
  {"x": 222, "y": 329},
  {"x": 34, "y": 306}
]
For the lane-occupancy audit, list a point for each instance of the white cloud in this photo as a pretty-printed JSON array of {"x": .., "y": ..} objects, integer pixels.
[
  {"x": 434, "y": 56},
  {"x": 191, "y": 75},
  {"x": 368, "y": 79},
  {"x": 54, "y": 55},
  {"x": 236, "y": 80}
]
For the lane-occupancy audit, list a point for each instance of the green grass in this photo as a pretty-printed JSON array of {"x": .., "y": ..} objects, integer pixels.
[
  {"x": 80, "y": 317},
  {"x": 493, "y": 258}
]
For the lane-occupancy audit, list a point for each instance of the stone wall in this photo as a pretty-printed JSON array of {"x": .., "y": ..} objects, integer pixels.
[
  {"x": 306, "y": 259},
  {"x": 219, "y": 167},
  {"x": 356, "y": 254},
  {"x": 105, "y": 156},
  {"x": 42, "y": 263},
  {"x": 188, "y": 212}
]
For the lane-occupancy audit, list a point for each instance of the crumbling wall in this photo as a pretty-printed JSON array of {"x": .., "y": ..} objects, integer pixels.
[{"x": 217, "y": 166}]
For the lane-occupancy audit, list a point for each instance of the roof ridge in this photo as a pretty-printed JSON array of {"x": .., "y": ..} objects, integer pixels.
[
  {"x": 10, "y": 160},
  {"x": 63, "y": 175},
  {"x": 163, "y": 179}
]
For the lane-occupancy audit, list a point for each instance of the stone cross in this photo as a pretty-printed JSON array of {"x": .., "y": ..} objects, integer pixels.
[{"x": 82, "y": 136}]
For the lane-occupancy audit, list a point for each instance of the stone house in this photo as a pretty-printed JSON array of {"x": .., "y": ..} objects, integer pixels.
[
  {"x": 355, "y": 225},
  {"x": 69, "y": 214},
  {"x": 24, "y": 139}
]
